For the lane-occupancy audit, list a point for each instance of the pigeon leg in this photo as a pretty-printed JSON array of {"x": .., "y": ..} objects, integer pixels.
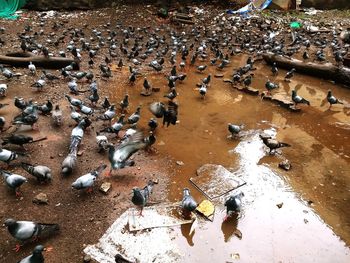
[
  {"x": 49, "y": 249},
  {"x": 225, "y": 218},
  {"x": 17, "y": 247},
  {"x": 140, "y": 214},
  {"x": 18, "y": 193},
  {"x": 89, "y": 190},
  {"x": 109, "y": 172}
]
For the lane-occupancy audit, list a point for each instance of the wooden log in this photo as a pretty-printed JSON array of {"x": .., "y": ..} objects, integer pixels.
[
  {"x": 327, "y": 71},
  {"x": 23, "y": 59}
]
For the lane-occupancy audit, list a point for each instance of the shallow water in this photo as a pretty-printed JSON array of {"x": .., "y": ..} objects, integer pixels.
[{"x": 320, "y": 156}]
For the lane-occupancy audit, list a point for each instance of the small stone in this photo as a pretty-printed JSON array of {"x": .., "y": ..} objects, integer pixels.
[
  {"x": 86, "y": 259},
  {"x": 60, "y": 154},
  {"x": 280, "y": 205},
  {"x": 228, "y": 80},
  {"x": 219, "y": 75},
  {"x": 80, "y": 153},
  {"x": 285, "y": 165},
  {"x": 105, "y": 187},
  {"x": 181, "y": 163},
  {"x": 91, "y": 219},
  {"x": 41, "y": 199}
]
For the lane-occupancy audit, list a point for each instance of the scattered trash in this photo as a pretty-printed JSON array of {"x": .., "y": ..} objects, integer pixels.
[
  {"x": 156, "y": 216},
  {"x": 285, "y": 165},
  {"x": 235, "y": 256},
  {"x": 215, "y": 180},
  {"x": 295, "y": 25},
  {"x": 41, "y": 199},
  {"x": 207, "y": 209},
  {"x": 279, "y": 205},
  {"x": 105, "y": 187}
]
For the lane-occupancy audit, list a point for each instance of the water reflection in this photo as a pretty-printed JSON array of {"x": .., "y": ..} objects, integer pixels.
[{"x": 229, "y": 227}]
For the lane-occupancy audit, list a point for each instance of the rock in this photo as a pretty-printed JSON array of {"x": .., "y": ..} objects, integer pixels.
[
  {"x": 219, "y": 75},
  {"x": 80, "y": 153},
  {"x": 285, "y": 165},
  {"x": 105, "y": 187},
  {"x": 228, "y": 80},
  {"x": 279, "y": 205},
  {"x": 40, "y": 199},
  {"x": 86, "y": 259},
  {"x": 181, "y": 163}
]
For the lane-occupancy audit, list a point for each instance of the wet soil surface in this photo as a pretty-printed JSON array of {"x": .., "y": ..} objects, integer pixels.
[{"x": 313, "y": 222}]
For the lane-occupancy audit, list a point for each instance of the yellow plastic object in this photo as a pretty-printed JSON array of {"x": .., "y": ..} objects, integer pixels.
[{"x": 207, "y": 209}]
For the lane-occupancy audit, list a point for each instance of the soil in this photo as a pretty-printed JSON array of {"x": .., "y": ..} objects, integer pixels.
[{"x": 320, "y": 154}]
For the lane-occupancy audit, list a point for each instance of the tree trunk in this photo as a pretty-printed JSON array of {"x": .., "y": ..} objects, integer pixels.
[
  {"x": 23, "y": 59},
  {"x": 327, "y": 71}
]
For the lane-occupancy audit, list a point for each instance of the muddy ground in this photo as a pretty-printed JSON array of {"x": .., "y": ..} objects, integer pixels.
[{"x": 320, "y": 152}]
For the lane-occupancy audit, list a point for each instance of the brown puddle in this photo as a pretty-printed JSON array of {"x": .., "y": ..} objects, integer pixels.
[{"x": 320, "y": 157}]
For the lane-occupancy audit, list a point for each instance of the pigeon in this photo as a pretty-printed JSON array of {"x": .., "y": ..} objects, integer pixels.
[
  {"x": 119, "y": 156},
  {"x": 106, "y": 104},
  {"x": 49, "y": 76},
  {"x": 274, "y": 69},
  {"x": 233, "y": 204},
  {"x": 102, "y": 142},
  {"x": 201, "y": 68},
  {"x": 94, "y": 97},
  {"x": 85, "y": 110},
  {"x": 141, "y": 196},
  {"x": 124, "y": 103},
  {"x": 135, "y": 117},
  {"x": 203, "y": 90},
  {"x": 297, "y": 99},
  {"x": 32, "y": 68},
  {"x": 46, "y": 108},
  {"x": 57, "y": 116},
  {"x": 170, "y": 114},
  {"x": 73, "y": 86},
  {"x": 75, "y": 115},
  {"x": 87, "y": 181},
  {"x": 40, "y": 83},
  {"x": 207, "y": 79},
  {"x": 234, "y": 129},
  {"x": 172, "y": 95},
  {"x": 7, "y": 156},
  {"x": 173, "y": 71},
  {"x": 41, "y": 172},
  {"x": 116, "y": 127},
  {"x": 35, "y": 257},
  {"x": 69, "y": 162},
  {"x": 152, "y": 123},
  {"x": 331, "y": 99},
  {"x": 14, "y": 181},
  {"x": 188, "y": 204},
  {"x": 247, "y": 81},
  {"x": 273, "y": 144},
  {"x": 73, "y": 101},
  {"x": 3, "y": 90},
  {"x": 17, "y": 139},
  {"x": 108, "y": 115},
  {"x": 26, "y": 231},
  {"x": 157, "y": 109},
  {"x": 289, "y": 74},
  {"x": 270, "y": 86},
  {"x": 27, "y": 119},
  {"x": 20, "y": 103}
]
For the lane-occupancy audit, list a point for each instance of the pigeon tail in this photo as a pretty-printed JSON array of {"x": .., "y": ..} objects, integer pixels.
[{"x": 46, "y": 230}]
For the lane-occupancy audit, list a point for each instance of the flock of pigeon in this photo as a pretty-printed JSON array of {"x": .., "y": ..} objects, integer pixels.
[{"x": 161, "y": 49}]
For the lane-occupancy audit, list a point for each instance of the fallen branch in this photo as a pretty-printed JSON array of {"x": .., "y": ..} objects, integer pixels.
[
  {"x": 23, "y": 59},
  {"x": 327, "y": 71},
  {"x": 39, "y": 140}
]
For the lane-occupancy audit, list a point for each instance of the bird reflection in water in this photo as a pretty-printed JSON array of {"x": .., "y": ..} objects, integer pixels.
[
  {"x": 229, "y": 227},
  {"x": 185, "y": 231}
]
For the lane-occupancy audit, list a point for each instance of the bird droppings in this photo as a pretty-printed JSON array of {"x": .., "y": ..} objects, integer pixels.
[{"x": 41, "y": 199}]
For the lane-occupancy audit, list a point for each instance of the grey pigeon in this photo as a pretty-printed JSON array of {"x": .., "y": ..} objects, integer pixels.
[
  {"x": 233, "y": 204},
  {"x": 298, "y": 99},
  {"x": 41, "y": 172},
  {"x": 135, "y": 117},
  {"x": 273, "y": 144},
  {"x": 141, "y": 196},
  {"x": 331, "y": 99},
  {"x": 87, "y": 181},
  {"x": 35, "y": 257},
  {"x": 188, "y": 203},
  {"x": 119, "y": 156},
  {"x": 7, "y": 156},
  {"x": 234, "y": 129},
  {"x": 14, "y": 181},
  {"x": 25, "y": 231}
]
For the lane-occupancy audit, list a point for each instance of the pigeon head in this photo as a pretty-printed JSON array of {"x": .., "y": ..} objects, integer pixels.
[
  {"x": 10, "y": 222},
  {"x": 38, "y": 249},
  {"x": 186, "y": 191}
]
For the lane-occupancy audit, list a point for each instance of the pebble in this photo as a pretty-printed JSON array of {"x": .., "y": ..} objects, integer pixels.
[
  {"x": 181, "y": 163},
  {"x": 41, "y": 199},
  {"x": 86, "y": 259},
  {"x": 105, "y": 187}
]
